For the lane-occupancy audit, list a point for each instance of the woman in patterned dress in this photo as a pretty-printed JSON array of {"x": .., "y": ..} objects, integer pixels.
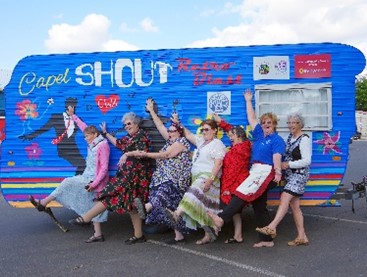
[
  {"x": 132, "y": 178},
  {"x": 204, "y": 193},
  {"x": 170, "y": 179},
  {"x": 72, "y": 193},
  {"x": 296, "y": 166}
]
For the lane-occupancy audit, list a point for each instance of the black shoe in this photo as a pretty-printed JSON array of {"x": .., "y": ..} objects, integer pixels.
[
  {"x": 174, "y": 241},
  {"x": 37, "y": 204},
  {"x": 134, "y": 240},
  {"x": 141, "y": 208},
  {"x": 95, "y": 239},
  {"x": 79, "y": 221}
]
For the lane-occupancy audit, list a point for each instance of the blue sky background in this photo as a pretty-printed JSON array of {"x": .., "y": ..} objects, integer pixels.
[{"x": 44, "y": 27}]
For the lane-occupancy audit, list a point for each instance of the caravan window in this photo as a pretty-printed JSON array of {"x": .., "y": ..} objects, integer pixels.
[{"x": 313, "y": 101}]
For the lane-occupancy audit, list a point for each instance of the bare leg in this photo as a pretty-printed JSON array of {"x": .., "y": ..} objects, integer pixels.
[
  {"x": 218, "y": 221},
  {"x": 178, "y": 235},
  {"x": 298, "y": 218},
  {"x": 97, "y": 229},
  {"x": 137, "y": 224},
  {"x": 46, "y": 200},
  {"x": 237, "y": 223},
  {"x": 96, "y": 210},
  {"x": 285, "y": 200}
]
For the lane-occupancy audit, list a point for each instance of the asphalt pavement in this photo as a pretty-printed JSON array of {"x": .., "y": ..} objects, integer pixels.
[{"x": 32, "y": 245}]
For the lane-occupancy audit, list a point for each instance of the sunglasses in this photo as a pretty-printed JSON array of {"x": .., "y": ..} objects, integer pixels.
[
  {"x": 204, "y": 129},
  {"x": 267, "y": 122},
  {"x": 171, "y": 131},
  {"x": 127, "y": 124}
]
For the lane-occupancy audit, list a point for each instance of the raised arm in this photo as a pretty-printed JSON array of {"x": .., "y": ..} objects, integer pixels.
[
  {"x": 157, "y": 121},
  {"x": 107, "y": 135},
  {"x": 222, "y": 123},
  {"x": 251, "y": 116},
  {"x": 189, "y": 136}
]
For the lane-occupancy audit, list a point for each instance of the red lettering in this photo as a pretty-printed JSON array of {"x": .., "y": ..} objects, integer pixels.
[{"x": 183, "y": 65}]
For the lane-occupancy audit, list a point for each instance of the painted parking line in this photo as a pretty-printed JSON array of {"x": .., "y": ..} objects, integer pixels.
[
  {"x": 335, "y": 218},
  {"x": 219, "y": 259}
]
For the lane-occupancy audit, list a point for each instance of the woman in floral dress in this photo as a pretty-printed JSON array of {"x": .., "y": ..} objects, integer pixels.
[
  {"x": 132, "y": 178},
  {"x": 171, "y": 178}
]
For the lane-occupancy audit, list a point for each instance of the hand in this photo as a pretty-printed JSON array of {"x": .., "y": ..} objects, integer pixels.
[
  {"x": 216, "y": 117},
  {"x": 248, "y": 94},
  {"x": 70, "y": 110},
  {"x": 149, "y": 105},
  {"x": 103, "y": 127},
  {"x": 122, "y": 160},
  {"x": 208, "y": 182},
  {"x": 174, "y": 118},
  {"x": 278, "y": 177},
  {"x": 226, "y": 192},
  {"x": 284, "y": 165}
]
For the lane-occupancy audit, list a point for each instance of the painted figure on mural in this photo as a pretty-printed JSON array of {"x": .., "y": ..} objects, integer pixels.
[{"x": 65, "y": 129}]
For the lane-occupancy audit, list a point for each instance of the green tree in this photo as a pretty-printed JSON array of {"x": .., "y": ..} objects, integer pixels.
[{"x": 361, "y": 93}]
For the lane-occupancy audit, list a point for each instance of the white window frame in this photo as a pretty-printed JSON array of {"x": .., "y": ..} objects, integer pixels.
[{"x": 312, "y": 120}]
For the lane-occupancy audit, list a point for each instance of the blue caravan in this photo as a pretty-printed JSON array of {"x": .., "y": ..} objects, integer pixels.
[{"x": 316, "y": 79}]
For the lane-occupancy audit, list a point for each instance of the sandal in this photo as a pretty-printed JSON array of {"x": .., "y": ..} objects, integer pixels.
[
  {"x": 298, "y": 242},
  {"x": 267, "y": 231},
  {"x": 37, "y": 204},
  {"x": 232, "y": 241},
  {"x": 134, "y": 240},
  {"x": 95, "y": 239},
  {"x": 204, "y": 240},
  {"x": 140, "y": 208},
  {"x": 79, "y": 221}
]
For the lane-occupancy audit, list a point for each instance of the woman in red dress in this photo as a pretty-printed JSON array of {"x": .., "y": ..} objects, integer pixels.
[{"x": 234, "y": 171}]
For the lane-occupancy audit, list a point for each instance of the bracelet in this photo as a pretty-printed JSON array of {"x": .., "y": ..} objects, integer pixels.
[
  {"x": 212, "y": 177},
  {"x": 278, "y": 171},
  {"x": 104, "y": 134}
]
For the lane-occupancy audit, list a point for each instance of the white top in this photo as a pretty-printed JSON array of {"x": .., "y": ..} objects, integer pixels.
[
  {"x": 205, "y": 155},
  {"x": 305, "y": 148}
]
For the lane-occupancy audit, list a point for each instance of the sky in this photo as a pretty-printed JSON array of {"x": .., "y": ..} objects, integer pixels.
[{"x": 69, "y": 26}]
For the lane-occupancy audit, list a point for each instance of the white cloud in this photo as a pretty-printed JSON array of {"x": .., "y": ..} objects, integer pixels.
[
  {"x": 288, "y": 21},
  {"x": 92, "y": 34},
  {"x": 118, "y": 45},
  {"x": 148, "y": 25}
]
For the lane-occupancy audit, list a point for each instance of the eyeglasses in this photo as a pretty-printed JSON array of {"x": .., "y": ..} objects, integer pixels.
[
  {"x": 171, "y": 131},
  {"x": 127, "y": 124},
  {"x": 267, "y": 122},
  {"x": 292, "y": 122},
  {"x": 204, "y": 130}
]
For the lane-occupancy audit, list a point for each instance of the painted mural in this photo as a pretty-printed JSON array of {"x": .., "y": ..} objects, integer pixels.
[{"x": 43, "y": 145}]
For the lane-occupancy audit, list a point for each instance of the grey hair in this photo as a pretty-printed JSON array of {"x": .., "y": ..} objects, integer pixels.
[
  {"x": 239, "y": 132},
  {"x": 131, "y": 116},
  {"x": 298, "y": 117}
]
